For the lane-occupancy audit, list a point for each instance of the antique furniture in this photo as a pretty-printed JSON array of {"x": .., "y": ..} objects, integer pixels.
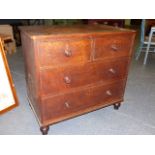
[
  {"x": 72, "y": 70},
  {"x": 8, "y": 98},
  {"x": 8, "y": 41}
]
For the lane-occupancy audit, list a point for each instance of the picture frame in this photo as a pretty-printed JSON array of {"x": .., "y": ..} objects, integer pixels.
[{"x": 8, "y": 97}]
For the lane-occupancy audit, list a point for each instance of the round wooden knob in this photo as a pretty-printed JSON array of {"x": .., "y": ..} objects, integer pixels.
[
  {"x": 114, "y": 48},
  {"x": 67, "y": 80},
  {"x": 108, "y": 92},
  {"x": 67, "y": 105},
  {"x": 68, "y": 53},
  {"x": 111, "y": 70}
]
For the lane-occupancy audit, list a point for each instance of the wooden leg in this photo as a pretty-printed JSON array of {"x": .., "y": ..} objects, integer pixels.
[
  {"x": 117, "y": 105},
  {"x": 44, "y": 130}
]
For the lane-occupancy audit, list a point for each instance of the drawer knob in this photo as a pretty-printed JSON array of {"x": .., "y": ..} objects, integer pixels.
[
  {"x": 111, "y": 70},
  {"x": 67, "y": 80},
  {"x": 114, "y": 48},
  {"x": 67, "y": 105},
  {"x": 68, "y": 53},
  {"x": 108, "y": 92}
]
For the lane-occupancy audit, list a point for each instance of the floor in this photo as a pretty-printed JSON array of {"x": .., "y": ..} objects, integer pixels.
[{"x": 136, "y": 116}]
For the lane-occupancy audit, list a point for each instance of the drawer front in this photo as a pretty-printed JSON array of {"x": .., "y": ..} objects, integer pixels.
[
  {"x": 73, "y": 102},
  {"x": 112, "y": 46},
  {"x": 54, "y": 81},
  {"x": 56, "y": 53}
]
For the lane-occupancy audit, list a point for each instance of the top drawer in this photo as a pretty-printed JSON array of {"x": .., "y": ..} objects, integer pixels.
[
  {"x": 110, "y": 46},
  {"x": 54, "y": 53}
]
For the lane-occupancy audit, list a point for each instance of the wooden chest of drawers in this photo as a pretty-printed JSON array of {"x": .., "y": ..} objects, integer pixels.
[{"x": 72, "y": 70}]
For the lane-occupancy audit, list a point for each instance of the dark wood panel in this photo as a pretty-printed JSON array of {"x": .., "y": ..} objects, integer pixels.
[
  {"x": 57, "y": 31},
  {"x": 66, "y": 52},
  {"x": 113, "y": 46},
  {"x": 62, "y": 105},
  {"x": 63, "y": 79},
  {"x": 31, "y": 75}
]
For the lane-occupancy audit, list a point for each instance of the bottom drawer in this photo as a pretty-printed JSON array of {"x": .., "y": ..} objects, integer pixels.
[{"x": 63, "y": 105}]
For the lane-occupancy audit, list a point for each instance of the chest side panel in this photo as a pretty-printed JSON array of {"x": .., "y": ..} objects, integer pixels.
[{"x": 31, "y": 72}]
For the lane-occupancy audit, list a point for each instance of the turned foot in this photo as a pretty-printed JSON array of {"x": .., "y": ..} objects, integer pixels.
[
  {"x": 117, "y": 105},
  {"x": 44, "y": 130}
]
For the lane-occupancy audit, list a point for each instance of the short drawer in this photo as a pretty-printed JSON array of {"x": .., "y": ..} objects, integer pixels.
[
  {"x": 113, "y": 46},
  {"x": 57, "y": 53},
  {"x": 64, "y": 79},
  {"x": 67, "y": 104}
]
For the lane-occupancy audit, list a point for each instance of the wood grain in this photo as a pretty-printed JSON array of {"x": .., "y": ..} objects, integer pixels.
[
  {"x": 72, "y": 70},
  {"x": 66, "y": 52},
  {"x": 73, "y": 102},
  {"x": 54, "y": 81}
]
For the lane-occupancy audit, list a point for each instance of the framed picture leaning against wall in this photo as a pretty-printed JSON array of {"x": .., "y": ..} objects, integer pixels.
[{"x": 8, "y": 97}]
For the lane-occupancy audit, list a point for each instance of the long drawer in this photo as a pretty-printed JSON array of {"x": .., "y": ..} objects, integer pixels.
[
  {"x": 63, "y": 79},
  {"x": 62, "y": 52},
  {"x": 69, "y": 103},
  {"x": 113, "y": 46}
]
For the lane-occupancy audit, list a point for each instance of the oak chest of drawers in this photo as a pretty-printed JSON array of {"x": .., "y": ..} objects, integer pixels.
[{"x": 72, "y": 70}]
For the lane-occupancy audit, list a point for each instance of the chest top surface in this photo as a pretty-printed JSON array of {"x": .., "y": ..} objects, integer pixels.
[{"x": 73, "y": 30}]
